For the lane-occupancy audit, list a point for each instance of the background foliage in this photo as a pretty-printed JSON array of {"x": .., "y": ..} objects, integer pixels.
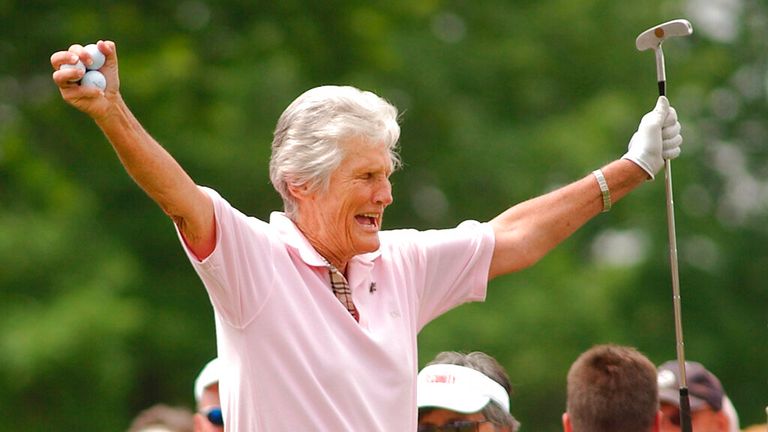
[{"x": 101, "y": 315}]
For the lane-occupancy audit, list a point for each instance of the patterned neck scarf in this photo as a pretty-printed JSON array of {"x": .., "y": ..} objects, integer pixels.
[{"x": 342, "y": 291}]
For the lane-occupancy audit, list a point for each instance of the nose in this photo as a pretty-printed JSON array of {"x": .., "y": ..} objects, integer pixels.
[{"x": 383, "y": 194}]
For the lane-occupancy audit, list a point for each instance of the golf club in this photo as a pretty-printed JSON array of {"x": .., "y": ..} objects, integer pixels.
[{"x": 652, "y": 39}]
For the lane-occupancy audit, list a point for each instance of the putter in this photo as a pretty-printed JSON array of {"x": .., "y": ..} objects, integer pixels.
[{"x": 652, "y": 39}]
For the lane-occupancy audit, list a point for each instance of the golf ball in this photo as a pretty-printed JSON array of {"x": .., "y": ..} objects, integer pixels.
[
  {"x": 78, "y": 65},
  {"x": 96, "y": 56},
  {"x": 94, "y": 79}
]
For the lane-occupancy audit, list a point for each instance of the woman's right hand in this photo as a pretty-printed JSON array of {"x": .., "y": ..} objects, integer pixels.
[{"x": 90, "y": 100}]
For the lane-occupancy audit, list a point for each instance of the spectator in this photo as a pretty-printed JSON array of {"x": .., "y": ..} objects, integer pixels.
[
  {"x": 612, "y": 388},
  {"x": 711, "y": 409},
  {"x": 464, "y": 392},
  {"x": 162, "y": 418}
]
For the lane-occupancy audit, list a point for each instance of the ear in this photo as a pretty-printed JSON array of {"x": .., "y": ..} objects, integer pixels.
[
  {"x": 657, "y": 421},
  {"x": 199, "y": 422},
  {"x": 567, "y": 423},
  {"x": 299, "y": 192},
  {"x": 722, "y": 420}
]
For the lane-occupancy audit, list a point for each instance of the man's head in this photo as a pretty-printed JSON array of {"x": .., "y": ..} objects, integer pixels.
[
  {"x": 705, "y": 393},
  {"x": 308, "y": 143},
  {"x": 209, "y": 417},
  {"x": 162, "y": 418},
  {"x": 464, "y": 389},
  {"x": 612, "y": 388}
]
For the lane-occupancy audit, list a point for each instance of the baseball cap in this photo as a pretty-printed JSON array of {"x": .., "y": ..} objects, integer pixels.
[
  {"x": 207, "y": 377},
  {"x": 703, "y": 386},
  {"x": 457, "y": 388}
]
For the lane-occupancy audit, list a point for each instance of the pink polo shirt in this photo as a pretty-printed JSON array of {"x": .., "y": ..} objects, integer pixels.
[{"x": 295, "y": 359}]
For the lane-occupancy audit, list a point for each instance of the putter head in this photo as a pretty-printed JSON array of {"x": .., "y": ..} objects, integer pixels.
[{"x": 654, "y": 36}]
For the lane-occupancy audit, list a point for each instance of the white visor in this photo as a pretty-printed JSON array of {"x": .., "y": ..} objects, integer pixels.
[
  {"x": 207, "y": 377},
  {"x": 458, "y": 388}
]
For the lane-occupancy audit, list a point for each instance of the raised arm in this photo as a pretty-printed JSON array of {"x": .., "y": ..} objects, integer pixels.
[
  {"x": 529, "y": 230},
  {"x": 145, "y": 160}
]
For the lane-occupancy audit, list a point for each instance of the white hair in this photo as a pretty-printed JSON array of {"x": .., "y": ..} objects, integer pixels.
[{"x": 307, "y": 144}]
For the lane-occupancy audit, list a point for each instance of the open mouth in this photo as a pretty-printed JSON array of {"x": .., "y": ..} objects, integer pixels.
[{"x": 370, "y": 220}]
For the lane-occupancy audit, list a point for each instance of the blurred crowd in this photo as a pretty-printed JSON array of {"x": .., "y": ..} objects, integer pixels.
[{"x": 609, "y": 388}]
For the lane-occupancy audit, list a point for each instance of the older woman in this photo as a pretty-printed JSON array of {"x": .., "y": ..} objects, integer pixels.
[{"x": 317, "y": 310}]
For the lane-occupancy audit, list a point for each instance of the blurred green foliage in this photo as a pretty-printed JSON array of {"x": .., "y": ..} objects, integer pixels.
[{"x": 101, "y": 315}]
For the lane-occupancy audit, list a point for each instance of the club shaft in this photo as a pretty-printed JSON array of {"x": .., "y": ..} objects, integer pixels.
[
  {"x": 674, "y": 270},
  {"x": 685, "y": 409},
  {"x": 661, "y": 74}
]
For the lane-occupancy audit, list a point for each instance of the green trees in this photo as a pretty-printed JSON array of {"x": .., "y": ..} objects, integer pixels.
[{"x": 101, "y": 315}]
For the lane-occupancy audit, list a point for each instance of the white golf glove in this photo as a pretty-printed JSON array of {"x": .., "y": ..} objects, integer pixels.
[{"x": 657, "y": 138}]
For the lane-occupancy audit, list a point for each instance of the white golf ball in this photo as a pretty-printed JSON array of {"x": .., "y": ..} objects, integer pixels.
[
  {"x": 78, "y": 65},
  {"x": 94, "y": 78},
  {"x": 96, "y": 55}
]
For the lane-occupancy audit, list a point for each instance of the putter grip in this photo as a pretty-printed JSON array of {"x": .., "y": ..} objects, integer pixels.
[
  {"x": 685, "y": 410},
  {"x": 662, "y": 88}
]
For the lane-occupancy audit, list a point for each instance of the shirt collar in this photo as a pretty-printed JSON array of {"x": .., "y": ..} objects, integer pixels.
[{"x": 295, "y": 239}]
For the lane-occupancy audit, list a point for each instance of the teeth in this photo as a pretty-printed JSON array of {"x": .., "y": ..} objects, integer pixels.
[{"x": 372, "y": 218}]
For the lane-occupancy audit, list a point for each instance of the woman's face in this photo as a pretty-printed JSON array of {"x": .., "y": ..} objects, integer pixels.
[
  {"x": 442, "y": 420},
  {"x": 345, "y": 220}
]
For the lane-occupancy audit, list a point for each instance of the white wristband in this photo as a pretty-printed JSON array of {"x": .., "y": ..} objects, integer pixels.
[{"x": 604, "y": 191}]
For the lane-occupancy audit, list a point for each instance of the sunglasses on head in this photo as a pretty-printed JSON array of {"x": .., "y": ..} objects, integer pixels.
[
  {"x": 455, "y": 426},
  {"x": 214, "y": 415}
]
